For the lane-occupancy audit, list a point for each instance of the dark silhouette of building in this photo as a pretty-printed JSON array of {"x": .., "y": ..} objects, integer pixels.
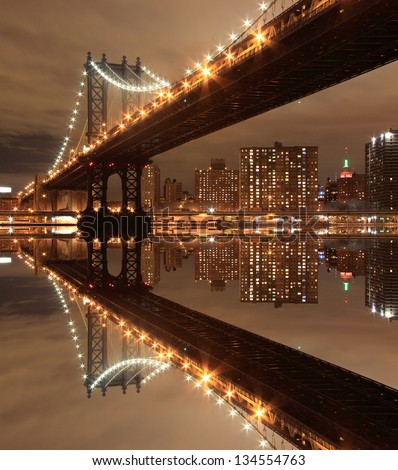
[
  {"x": 330, "y": 191},
  {"x": 172, "y": 191}
]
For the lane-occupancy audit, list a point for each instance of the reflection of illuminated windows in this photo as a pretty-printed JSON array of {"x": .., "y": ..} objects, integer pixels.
[
  {"x": 271, "y": 272},
  {"x": 217, "y": 187},
  {"x": 217, "y": 263},
  {"x": 382, "y": 278},
  {"x": 150, "y": 263}
]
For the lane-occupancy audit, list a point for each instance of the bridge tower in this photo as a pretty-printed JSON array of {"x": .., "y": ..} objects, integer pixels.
[
  {"x": 98, "y": 360},
  {"x": 97, "y": 92}
]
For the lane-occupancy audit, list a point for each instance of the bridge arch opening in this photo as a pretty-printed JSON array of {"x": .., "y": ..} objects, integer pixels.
[
  {"x": 114, "y": 193},
  {"x": 114, "y": 256}
]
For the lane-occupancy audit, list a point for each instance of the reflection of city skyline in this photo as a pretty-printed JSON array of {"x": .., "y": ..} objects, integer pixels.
[
  {"x": 266, "y": 271},
  {"x": 282, "y": 273},
  {"x": 154, "y": 313}
]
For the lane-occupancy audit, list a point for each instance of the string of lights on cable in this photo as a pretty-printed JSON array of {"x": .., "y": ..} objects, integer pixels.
[
  {"x": 124, "y": 85},
  {"x": 233, "y": 411},
  {"x": 71, "y": 323},
  {"x": 71, "y": 125},
  {"x": 214, "y": 63}
]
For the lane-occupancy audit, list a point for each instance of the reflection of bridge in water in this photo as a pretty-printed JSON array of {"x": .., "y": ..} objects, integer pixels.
[{"x": 309, "y": 402}]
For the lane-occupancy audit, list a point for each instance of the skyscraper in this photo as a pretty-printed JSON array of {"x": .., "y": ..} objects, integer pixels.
[
  {"x": 151, "y": 186},
  {"x": 217, "y": 187},
  {"x": 381, "y": 162},
  {"x": 278, "y": 178},
  {"x": 350, "y": 185}
]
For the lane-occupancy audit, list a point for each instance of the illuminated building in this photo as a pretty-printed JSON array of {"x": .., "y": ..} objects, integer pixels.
[
  {"x": 381, "y": 162},
  {"x": 217, "y": 187},
  {"x": 348, "y": 263},
  {"x": 278, "y": 178},
  {"x": 150, "y": 263},
  {"x": 8, "y": 203},
  {"x": 321, "y": 195},
  {"x": 217, "y": 263},
  {"x": 150, "y": 186},
  {"x": 8, "y": 246},
  {"x": 279, "y": 272},
  {"x": 172, "y": 191},
  {"x": 350, "y": 185},
  {"x": 382, "y": 278}
]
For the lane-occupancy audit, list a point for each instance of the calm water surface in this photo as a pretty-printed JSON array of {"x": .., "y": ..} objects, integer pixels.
[{"x": 330, "y": 300}]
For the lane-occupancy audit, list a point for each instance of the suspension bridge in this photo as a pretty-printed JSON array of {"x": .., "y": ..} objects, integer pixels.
[
  {"x": 276, "y": 59},
  {"x": 307, "y": 401},
  {"x": 310, "y": 46}
]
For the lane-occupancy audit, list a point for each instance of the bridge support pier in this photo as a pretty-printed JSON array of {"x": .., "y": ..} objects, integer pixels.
[
  {"x": 97, "y": 221},
  {"x": 97, "y": 266}
]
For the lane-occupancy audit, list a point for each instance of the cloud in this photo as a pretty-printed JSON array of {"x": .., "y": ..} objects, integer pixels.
[
  {"x": 24, "y": 153},
  {"x": 44, "y": 46}
]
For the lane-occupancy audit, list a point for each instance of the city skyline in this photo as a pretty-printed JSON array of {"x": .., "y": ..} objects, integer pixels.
[
  {"x": 197, "y": 194},
  {"x": 349, "y": 114}
]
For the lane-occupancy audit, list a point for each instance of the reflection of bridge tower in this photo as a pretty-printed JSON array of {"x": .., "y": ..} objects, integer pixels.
[
  {"x": 98, "y": 361},
  {"x": 99, "y": 277},
  {"x": 97, "y": 266}
]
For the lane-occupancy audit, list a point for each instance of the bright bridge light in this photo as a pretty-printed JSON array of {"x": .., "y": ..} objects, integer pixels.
[
  {"x": 5, "y": 260},
  {"x": 65, "y": 219}
]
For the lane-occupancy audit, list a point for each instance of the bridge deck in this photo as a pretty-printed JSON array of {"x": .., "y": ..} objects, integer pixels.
[
  {"x": 337, "y": 41},
  {"x": 346, "y": 409}
]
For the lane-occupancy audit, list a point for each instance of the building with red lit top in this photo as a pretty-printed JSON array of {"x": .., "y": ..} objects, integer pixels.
[{"x": 350, "y": 185}]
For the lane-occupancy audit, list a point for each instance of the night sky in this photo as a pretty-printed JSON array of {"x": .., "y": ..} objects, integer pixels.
[{"x": 43, "y": 48}]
